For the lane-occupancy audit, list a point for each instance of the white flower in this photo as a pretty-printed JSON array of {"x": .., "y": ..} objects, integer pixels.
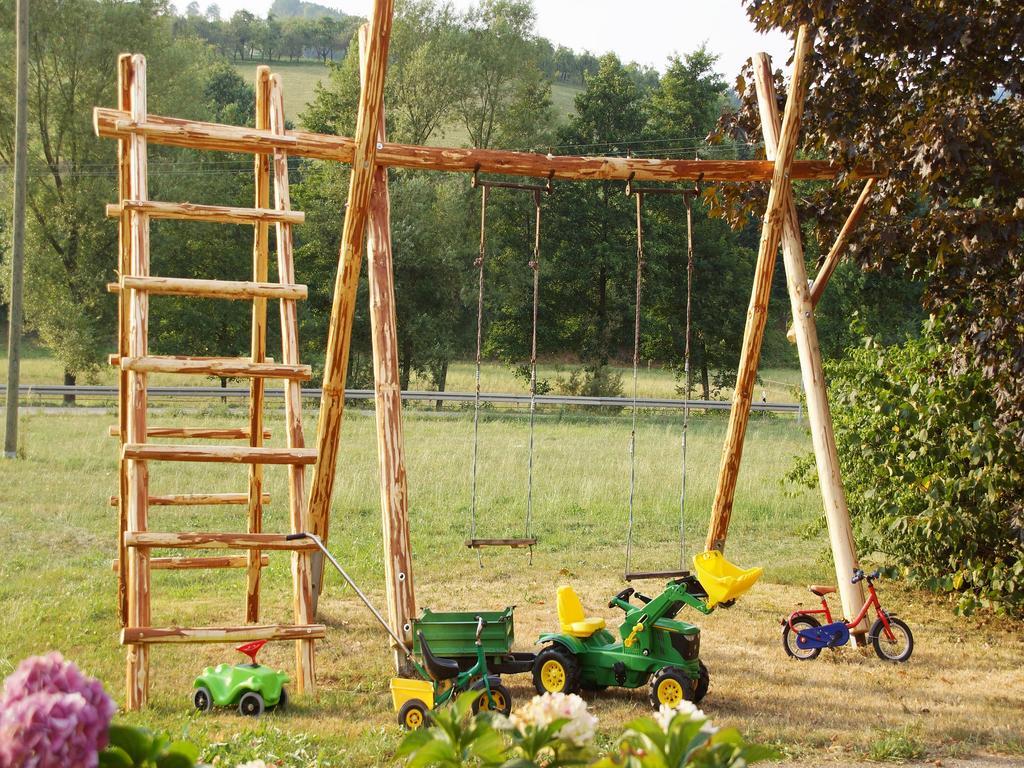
[
  {"x": 541, "y": 711},
  {"x": 686, "y": 709},
  {"x": 253, "y": 764}
]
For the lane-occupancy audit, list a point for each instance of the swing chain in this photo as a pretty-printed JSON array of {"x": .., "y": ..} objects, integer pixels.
[
  {"x": 479, "y": 264},
  {"x": 534, "y": 265}
]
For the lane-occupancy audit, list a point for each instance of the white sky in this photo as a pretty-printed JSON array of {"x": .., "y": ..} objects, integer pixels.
[{"x": 645, "y": 31}]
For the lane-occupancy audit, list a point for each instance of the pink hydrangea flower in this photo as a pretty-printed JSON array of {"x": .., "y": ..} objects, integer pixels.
[{"x": 52, "y": 715}]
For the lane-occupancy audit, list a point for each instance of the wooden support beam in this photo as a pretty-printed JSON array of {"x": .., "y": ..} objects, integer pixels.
[
  {"x": 218, "y": 454},
  {"x": 197, "y": 499},
  {"x": 757, "y": 312},
  {"x": 208, "y": 433},
  {"x": 339, "y": 338},
  {"x": 394, "y": 486},
  {"x": 258, "y": 345},
  {"x": 124, "y": 77},
  {"x": 217, "y": 214},
  {"x": 212, "y": 289},
  {"x": 835, "y": 255},
  {"x": 225, "y": 366},
  {"x": 837, "y": 515},
  {"x": 112, "y": 123},
  {"x": 137, "y": 673},
  {"x": 198, "y": 563},
  {"x": 307, "y": 632},
  {"x": 195, "y": 540},
  {"x": 302, "y": 594}
]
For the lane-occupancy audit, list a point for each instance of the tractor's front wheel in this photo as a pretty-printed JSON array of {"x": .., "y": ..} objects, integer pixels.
[
  {"x": 700, "y": 689},
  {"x": 670, "y": 687},
  {"x": 556, "y": 670}
]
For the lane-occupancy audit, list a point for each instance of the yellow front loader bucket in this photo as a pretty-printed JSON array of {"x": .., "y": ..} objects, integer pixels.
[{"x": 722, "y": 580}]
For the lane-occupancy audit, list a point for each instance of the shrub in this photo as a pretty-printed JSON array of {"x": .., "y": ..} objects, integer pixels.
[{"x": 932, "y": 481}]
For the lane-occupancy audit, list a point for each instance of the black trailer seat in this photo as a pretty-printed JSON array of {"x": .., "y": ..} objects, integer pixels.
[{"x": 437, "y": 667}]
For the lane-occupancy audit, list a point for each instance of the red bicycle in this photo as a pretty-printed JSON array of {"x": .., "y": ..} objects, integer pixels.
[{"x": 803, "y": 636}]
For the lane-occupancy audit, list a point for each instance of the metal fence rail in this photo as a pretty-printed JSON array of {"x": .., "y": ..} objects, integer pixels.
[{"x": 60, "y": 390}]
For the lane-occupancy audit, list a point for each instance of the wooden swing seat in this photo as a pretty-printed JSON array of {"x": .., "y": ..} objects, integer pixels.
[
  {"x": 643, "y": 575},
  {"x": 513, "y": 543}
]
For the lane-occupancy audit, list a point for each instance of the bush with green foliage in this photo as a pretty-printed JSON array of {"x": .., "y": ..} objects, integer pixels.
[
  {"x": 557, "y": 730},
  {"x": 933, "y": 481}
]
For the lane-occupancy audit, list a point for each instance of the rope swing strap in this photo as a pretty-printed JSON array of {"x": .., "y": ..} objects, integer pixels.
[
  {"x": 479, "y": 263},
  {"x": 636, "y": 371}
]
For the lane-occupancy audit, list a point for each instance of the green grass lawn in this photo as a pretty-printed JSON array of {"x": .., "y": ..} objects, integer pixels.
[{"x": 57, "y": 536}]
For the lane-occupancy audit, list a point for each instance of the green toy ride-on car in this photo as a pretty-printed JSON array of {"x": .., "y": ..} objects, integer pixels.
[
  {"x": 653, "y": 646},
  {"x": 252, "y": 688}
]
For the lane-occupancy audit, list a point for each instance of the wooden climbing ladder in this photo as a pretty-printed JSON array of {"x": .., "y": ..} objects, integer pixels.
[{"x": 135, "y": 284}]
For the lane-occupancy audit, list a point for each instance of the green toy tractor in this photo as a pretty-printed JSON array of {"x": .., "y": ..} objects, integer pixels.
[
  {"x": 252, "y": 688},
  {"x": 652, "y": 644}
]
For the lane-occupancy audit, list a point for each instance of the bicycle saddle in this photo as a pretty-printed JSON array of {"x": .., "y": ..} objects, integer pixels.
[
  {"x": 437, "y": 667},
  {"x": 821, "y": 590}
]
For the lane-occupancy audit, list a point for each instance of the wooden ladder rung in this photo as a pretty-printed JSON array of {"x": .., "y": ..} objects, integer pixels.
[
  {"x": 641, "y": 575},
  {"x": 211, "y": 433},
  {"x": 199, "y": 499},
  {"x": 144, "y": 635},
  {"x": 191, "y": 540},
  {"x": 214, "y": 289},
  {"x": 220, "y": 214},
  {"x": 224, "y": 366},
  {"x": 223, "y": 454},
  {"x": 189, "y": 563},
  {"x": 514, "y": 543}
]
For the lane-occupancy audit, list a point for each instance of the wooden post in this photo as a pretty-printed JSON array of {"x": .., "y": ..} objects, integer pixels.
[
  {"x": 138, "y": 473},
  {"x": 394, "y": 487},
  {"x": 836, "y": 253},
  {"x": 818, "y": 415},
  {"x": 124, "y": 267},
  {"x": 18, "y": 234},
  {"x": 260, "y": 246},
  {"x": 332, "y": 403},
  {"x": 757, "y": 313},
  {"x": 298, "y": 514}
]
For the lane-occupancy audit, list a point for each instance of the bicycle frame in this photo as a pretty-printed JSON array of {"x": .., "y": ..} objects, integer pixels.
[{"x": 871, "y": 601}]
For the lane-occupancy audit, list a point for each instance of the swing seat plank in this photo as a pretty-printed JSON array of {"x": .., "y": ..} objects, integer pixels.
[
  {"x": 643, "y": 575},
  {"x": 513, "y": 543}
]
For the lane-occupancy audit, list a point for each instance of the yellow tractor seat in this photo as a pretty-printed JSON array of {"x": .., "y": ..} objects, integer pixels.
[{"x": 571, "y": 617}]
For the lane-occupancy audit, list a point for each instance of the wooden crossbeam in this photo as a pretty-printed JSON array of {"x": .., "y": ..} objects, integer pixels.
[
  {"x": 222, "y": 454},
  {"x": 207, "y": 433},
  {"x": 212, "y": 289},
  {"x": 198, "y": 499},
  {"x": 219, "y": 214},
  {"x": 115, "y": 124},
  {"x": 194, "y": 563},
  {"x": 248, "y": 633},
  {"x": 198, "y": 540},
  {"x": 225, "y": 366}
]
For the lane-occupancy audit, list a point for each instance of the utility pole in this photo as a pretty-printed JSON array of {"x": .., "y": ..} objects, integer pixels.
[{"x": 18, "y": 242}]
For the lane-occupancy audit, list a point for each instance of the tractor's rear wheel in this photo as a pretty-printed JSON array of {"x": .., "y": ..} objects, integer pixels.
[
  {"x": 556, "y": 670},
  {"x": 703, "y": 682},
  {"x": 670, "y": 687}
]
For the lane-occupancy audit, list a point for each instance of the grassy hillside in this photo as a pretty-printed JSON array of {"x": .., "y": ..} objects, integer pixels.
[{"x": 300, "y": 79}]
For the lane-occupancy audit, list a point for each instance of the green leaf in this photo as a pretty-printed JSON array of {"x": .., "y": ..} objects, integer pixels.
[
  {"x": 136, "y": 742},
  {"x": 115, "y": 757}
]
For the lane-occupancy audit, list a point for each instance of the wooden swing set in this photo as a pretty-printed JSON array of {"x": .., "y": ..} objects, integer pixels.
[{"x": 367, "y": 217}]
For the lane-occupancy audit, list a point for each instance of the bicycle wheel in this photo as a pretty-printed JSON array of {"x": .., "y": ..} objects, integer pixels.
[
  {"x": 789, "y": 637},
  {"x": 899, "y": 648}
]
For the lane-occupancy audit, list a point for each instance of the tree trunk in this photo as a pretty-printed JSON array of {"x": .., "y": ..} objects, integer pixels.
[
  {"x": 69, "y": 381},
  {"x": 705, "y": 380},
  {"x": 442, "y": 378}
]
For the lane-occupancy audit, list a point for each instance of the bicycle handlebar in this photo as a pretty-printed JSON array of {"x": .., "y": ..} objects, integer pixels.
[{"x": 859, "y": 575}]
